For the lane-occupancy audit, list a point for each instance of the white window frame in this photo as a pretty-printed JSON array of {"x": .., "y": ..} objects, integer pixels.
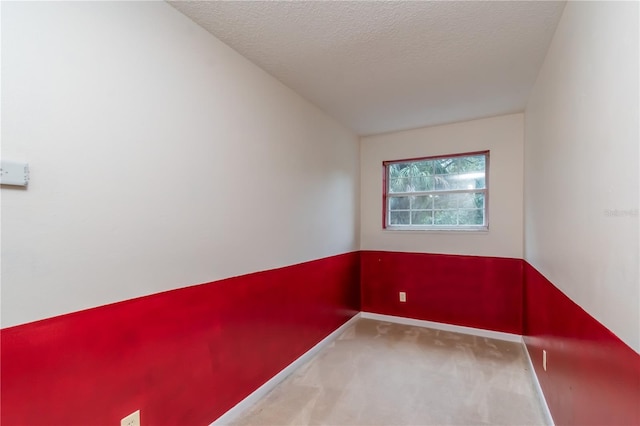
[{"x": 410, "y": 227}]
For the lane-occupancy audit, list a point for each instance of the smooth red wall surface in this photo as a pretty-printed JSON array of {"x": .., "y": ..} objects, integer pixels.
[
  {"x": 592, "y": 377},
  {"x": 186, "y": 356},
  {"x": 182, "y": 357},
  {"x": 481, "y": 292}
]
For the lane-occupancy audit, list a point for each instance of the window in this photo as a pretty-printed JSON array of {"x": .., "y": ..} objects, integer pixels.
[{"x": 437, "y": 193}]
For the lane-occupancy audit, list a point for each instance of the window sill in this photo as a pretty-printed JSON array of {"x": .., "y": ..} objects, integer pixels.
[{"x": 482, "y": 230}]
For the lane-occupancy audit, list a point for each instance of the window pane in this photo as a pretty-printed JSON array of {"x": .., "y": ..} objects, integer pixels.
[
  {"x": 399, "y": 203},
  {"x": 479, "y": 181},
  {"x": 399, "y": 184},
  {"x": 466, "y": 201},
  {"x": 441, "y": 183},
  {"x": 471, "y": 201},
  {"x": 445, "y": 201},
  {"x": 479, "y": 200},
  {"x": 394, "y": 170},
  {"x": 422, "y": 218},
  {"x": 426, "y": 167},
  {"x": 444, "y": 166},
  {"x": 479, "y": 217},
  {"x": 471, "y": 217},
  {"x": 399, "y": 218},
  {"x": 471, "y": 180},
  {"x": 473, "y": 163},
  {"x": 455, "y": 166},
  {"x": 422, "y": 183},
  {"x": 422, "y": 202},
  {"x": 445, "y": 217}
]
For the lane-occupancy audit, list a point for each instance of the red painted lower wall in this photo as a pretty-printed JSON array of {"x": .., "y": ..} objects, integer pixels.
[
  {"x": 592, "y": 377},
  {"x": 182, "y": 357},
  {"x": 481, "y": 292}
]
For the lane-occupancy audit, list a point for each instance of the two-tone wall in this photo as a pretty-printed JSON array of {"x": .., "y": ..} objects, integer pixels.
[
  {"x": 581, "y": 164},
  {"x": 581, "y": 199},
  {"x": 563, "y": 271},
  {"x": 160, "y": 159},
  {"x": 465, "y": 278}
]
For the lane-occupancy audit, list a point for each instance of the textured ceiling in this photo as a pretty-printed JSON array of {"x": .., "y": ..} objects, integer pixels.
[{"x": 389, "y": 65}]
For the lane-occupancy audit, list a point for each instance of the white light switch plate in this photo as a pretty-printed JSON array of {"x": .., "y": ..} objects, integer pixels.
[{"x": 14, "y": 173}]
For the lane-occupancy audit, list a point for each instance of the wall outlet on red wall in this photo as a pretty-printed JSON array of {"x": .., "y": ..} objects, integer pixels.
[
  {"x": 132, "y": 419},
  {"x": 403, "y": 296}
]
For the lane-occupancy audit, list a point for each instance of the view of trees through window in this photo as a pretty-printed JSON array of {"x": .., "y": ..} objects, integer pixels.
[{"x": 437, "y": 193}]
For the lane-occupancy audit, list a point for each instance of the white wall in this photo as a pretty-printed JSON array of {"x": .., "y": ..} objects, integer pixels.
[
  {"x": 502, "y": 135},
  {"x": 581, "y": 164},
  {"x": 160, "y": 158}
]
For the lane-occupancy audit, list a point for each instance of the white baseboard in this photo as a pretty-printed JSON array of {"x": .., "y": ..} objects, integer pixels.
[
  {"x": 536, "y": 384},
  {"x": 498, "y": 335},
  {"x": 256, "y": 395}
]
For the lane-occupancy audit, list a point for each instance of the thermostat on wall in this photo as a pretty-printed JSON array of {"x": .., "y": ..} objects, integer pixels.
[{"x": 14, "y": 173}]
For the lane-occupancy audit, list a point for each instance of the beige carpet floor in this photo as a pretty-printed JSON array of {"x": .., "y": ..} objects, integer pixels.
[{"x": 379, "y": 373}]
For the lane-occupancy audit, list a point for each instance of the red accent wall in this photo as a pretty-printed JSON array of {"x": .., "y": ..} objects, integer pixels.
[
  {"x": 186, "y": 356},
  {"x": 592, "y": 377},
  {"x": 182, "y": 357},
  {"x": 481, "y": 292}
]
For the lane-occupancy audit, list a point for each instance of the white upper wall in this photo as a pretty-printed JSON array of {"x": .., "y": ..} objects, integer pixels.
[
  {"x": 160, "y": 158},
  {"x": 503, "y": 136},
  {"x": 581, "y": 164}
]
